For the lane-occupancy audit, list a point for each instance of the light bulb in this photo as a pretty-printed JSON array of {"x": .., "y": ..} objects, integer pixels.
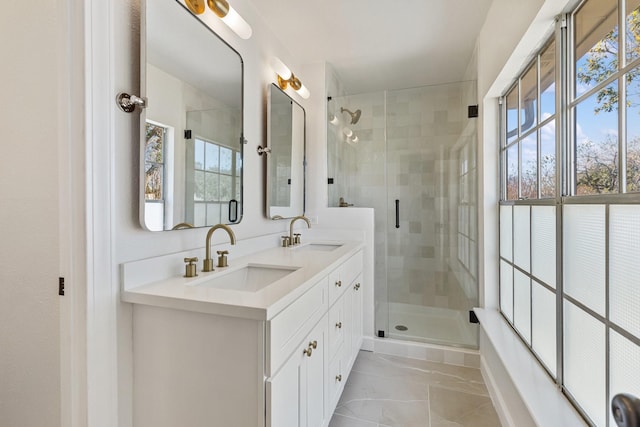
[
  {"x": 237, "y": 24},
  {"x": 282, "y": 70},
  {"x": 304, "y": 92}
]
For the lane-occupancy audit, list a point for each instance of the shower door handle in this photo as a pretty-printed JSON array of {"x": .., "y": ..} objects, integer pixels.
[{"x": 397, "y": 213}]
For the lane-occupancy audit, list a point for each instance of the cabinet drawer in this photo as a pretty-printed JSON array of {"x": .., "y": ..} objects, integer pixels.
[
  {"x": 341, "y": 277},
  {"x": 288, "y": 328}
]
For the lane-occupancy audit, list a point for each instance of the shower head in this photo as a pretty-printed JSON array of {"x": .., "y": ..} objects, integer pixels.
[{"x": 355, "y": 116}]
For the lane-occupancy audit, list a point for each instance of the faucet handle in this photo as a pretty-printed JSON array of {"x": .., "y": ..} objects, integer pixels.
[
  {"x": 286, "y": 241},
  {"x": 191, "y": 270},
  {"x": 296, "y": 238},
  {"x": 222, "y": 258}
]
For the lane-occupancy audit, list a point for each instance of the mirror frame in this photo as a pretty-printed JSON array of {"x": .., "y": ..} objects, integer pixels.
[
  {"x": 143, "y": 117},
  {"x": 270, "y": 165}
]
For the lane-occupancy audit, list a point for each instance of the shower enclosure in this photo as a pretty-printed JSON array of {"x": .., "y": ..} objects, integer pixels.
[{"x": 411, "y": 155}]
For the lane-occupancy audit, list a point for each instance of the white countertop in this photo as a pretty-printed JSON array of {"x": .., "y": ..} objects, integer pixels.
[{"x": 190, "y": 294}]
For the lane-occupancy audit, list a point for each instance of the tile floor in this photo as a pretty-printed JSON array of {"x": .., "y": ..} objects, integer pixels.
[{"x": 391, "y": 391}]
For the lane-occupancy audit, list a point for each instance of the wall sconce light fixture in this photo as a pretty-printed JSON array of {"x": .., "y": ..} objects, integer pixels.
[
  {"x": 225, "y": 12},
  {"x": 286, "y": 78}
]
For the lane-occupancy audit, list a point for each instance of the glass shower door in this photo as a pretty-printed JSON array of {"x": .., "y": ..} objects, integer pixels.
[{"x": 431, "y": 284}]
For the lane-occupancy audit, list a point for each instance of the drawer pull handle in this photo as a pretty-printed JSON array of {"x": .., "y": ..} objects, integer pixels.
[
  {"x": 357, "y": 286},
  {"x": 339, "y": 325},
  {"x": 308, "y": 351},
  {"x": 313, "y": 344},
  {"x": 339, "y": 283},
  {"x": 339, "y": 378}
]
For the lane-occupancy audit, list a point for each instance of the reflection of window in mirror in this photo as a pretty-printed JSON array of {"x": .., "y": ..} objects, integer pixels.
[
  {"x": 157, "y": 173},
  {"x": 216, "y": 182}
]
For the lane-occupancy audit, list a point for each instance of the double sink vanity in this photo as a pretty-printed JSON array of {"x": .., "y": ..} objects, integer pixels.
[{"x": 267, "y": 341}]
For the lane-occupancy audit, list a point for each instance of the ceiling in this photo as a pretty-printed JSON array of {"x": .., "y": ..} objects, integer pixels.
[{"x": 374, "y": 44}]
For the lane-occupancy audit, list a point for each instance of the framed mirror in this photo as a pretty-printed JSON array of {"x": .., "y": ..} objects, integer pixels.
[
  {"x": 286, "y": 159},
  {"x": 191, "y": 164}
]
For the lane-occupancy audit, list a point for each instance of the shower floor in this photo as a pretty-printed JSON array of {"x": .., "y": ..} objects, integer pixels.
[{"x": 432, "y": 324}]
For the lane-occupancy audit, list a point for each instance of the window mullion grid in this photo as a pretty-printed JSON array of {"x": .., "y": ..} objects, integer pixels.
[
  {"x": 538, "y": 142},
  {"x": 564, "y": 35},
  {"x": 502, "y": 117},
  {"x": 622, "y": 97},
  {"x": 519, "y": 139}
]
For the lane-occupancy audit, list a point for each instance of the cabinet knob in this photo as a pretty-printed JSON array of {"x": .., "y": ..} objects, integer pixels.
[
  {"x": 357, "y": 286},
  {"x": 309, "y": 350},
  {"x": 339, "y": 325},
  {"x": 338, "y": 283},
  {"x": 339, "y": 377}
]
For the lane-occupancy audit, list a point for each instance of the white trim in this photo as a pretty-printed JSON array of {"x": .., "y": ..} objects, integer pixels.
[
  {"x": 101, "y": 356},
  {"x": 71, "y": 184}
]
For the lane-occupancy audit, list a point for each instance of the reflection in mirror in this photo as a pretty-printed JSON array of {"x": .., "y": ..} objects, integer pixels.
[
  {"x": 192, "y": 140},
  {"x": 285, "y": 162}
]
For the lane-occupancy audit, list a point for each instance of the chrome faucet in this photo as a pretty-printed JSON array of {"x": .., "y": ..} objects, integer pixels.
[
  {"x": 207, "y": 264},
  {"x": 291, "y": 237}
]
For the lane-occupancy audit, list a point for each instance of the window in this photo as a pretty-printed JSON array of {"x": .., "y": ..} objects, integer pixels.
[
  {"x": 155, "y": 175},
  {"x": 529, "y": 150},
  {"x": 217, "y": 171},
  {"x": 467, "y": 208},
  {"x": 570, "y": 207},
  {"x": 154, "y": 162}
]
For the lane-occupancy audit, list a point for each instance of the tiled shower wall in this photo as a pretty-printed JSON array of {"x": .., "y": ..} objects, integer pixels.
[{"x": 417, "y": 146}]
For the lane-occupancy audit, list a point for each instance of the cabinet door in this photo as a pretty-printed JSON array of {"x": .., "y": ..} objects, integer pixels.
[
  {"x": 335, "y": 378},
  {"x": 314, "y": 370},
  {"x": 295, "y": 395},
  {"x": 283, "y": 394},
  {"x": 337, "y": 326},
  {"x": 347, "y": 327}
]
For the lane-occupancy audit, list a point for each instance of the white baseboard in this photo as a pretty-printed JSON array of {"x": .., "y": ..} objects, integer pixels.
[{"x": 423, "y": 351}]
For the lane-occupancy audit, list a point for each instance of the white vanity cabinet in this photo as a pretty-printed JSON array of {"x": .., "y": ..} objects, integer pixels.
[
  {"x": 314, "y": 375},
  {"x": 345, "y": 327},
  {"x": 199, "y": 368}
]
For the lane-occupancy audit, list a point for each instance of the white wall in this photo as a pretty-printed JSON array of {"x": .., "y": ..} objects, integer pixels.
[{"x": 32, "y": 120}]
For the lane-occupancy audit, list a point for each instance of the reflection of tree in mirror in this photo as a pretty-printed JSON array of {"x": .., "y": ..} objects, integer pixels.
[
  {"x": 597, "y": 161},
  {"x": 153, "y": 165}
]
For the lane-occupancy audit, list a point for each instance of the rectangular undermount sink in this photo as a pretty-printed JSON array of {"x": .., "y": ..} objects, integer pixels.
[
  {"x": 250, "y": 278},
  {"x": 319, "y": 247}
]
